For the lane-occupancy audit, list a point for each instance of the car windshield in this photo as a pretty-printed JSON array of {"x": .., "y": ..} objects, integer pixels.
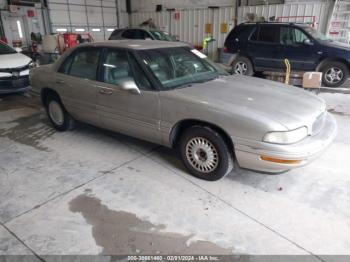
[
  {"x": 180, "y": 66},
  {"x": 315, "y": 34},
  {"x": 5, "y": 49},
  {"x": 162, "y": 36}
]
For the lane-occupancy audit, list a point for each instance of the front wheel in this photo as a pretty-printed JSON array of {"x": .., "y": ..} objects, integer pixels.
[
  {"x": 205, "y": 153},
  {"x": 242, "y": 66},
  {"x": 57, "y": 114},
  {"x": 334, "y": 74}
]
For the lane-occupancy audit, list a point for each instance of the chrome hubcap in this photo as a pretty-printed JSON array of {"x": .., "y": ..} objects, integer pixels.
[
  {"x": 334, "y": 75},
  {"x": 56, "y": 113},
  {"x": 241, "y": 68},
  {"x": 202, "y": 155}
]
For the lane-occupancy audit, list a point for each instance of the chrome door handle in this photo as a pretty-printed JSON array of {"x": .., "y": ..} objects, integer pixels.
[
  {"x": 59, "y": 82},
  {"x": 105, "y": 90}
]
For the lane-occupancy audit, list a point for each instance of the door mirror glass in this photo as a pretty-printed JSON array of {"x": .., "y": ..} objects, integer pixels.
[
  {"x": 130, "y": 86},
  {"x": 307, "y": 42}
]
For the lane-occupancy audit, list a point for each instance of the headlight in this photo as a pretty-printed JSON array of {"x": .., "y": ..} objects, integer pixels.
[
  {"x": 286, "y": 137},
  {"x": 31, "y": 64}
]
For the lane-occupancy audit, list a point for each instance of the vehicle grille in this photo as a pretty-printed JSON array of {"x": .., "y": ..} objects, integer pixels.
[
  {"x": 9, "y": 83},
  {"x": 318, "y": 124}
]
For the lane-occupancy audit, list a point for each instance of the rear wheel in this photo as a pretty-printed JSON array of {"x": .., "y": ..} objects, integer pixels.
[
  {"x": 57, "y": 114},
  {"x": 205, "y": 153},
  {"x": 242, "y": 66},
  {"x": 334, "y": 74}
]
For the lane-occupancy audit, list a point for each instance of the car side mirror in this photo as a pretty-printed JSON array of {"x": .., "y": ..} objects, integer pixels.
[
  {"x": 18, "y": 49},
  {"x": 308, "y": 42},
  {"x": 130, "y": 86}
]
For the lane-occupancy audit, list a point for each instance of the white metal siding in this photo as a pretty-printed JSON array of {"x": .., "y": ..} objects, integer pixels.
[
  {"x": 191, "y": 25},
  {"x": 150, "y": 5},
  {"x": 319, "y": 9}
]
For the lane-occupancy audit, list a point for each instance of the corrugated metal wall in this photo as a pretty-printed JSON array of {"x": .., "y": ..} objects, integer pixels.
[
  {"x": 191, "y": 25},
  {"x": 319, "y": 9}
]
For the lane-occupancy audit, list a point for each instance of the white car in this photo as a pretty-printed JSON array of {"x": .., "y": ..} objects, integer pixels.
[{"x": 14, "y": 70}]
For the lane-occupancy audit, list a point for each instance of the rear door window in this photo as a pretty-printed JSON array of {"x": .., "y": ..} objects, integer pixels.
[
  {"x": 254, "y": 36},
  {"x": 144, "y": 34},
  {"x": 240, "y": 33},
  {"x": 130, "y": 34},
  {"x": 268, "y": 34},
  {"x": 84, "y": 64},
  {"x": 135, "y": 34},
  {"x": 115, "y": 34}
]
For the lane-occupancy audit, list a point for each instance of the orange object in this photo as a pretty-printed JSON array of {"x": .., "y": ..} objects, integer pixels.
[
  {"x": 280, "y": 161},
  {"x": 73, "y": 39},
  {"x": 208, "y": 28},
  {"x": 223, "y": 28}
]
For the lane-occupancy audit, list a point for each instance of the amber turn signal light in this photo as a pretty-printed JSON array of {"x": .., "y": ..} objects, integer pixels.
[{"x": 280, "y": 161}]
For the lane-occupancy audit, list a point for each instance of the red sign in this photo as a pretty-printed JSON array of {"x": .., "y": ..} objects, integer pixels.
[
  {"x": 30, "y": 13},
  {"x": 177, "y": 15}
]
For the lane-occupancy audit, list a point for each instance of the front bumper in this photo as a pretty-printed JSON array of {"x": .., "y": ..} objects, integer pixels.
[
  {"x": 14, "y": 84},
  {"x": 248, "y": 153}
]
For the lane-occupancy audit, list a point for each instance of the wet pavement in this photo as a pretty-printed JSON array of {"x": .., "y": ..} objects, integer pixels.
[{"x": 91, "y": 191}]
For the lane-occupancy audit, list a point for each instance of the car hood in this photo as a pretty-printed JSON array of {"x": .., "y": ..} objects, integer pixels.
[
  {"x": 13, "y": 60},
  {"x": 336, "y": 45},
  {"x": 287, "y": 105}
]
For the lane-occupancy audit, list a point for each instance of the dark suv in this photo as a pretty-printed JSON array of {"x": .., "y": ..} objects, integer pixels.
[{"x": 257, "y": 47}]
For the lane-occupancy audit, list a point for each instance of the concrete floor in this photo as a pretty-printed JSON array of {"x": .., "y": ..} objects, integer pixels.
[{"x": 90, "y": 191}]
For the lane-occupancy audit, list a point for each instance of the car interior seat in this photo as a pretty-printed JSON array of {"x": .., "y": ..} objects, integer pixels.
[
  {"x": 287, "y": 38},
  {"x": 117, "y": 69}
]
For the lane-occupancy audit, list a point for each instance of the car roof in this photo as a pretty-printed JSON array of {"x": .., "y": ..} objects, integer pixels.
[
  {"x": 136, "y": 44},
  {"x": 144, "y": 28},
  {"x": 275, "y": 23},
  {"x": 140, "y": 28}
]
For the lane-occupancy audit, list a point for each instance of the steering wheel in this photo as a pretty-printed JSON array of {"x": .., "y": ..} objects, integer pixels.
[{"x": 186, "y": 68}]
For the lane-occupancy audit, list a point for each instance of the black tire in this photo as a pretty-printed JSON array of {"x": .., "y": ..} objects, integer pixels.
[
  {"x": 67, "y": 122},
  {"x": 242, "y": 66},
  {"x": 224, "y": 161},
  {"x": 339, "y": 68}
]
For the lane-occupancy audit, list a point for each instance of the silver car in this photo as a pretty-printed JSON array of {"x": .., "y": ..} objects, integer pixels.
[{"x": 170, "y": 94}]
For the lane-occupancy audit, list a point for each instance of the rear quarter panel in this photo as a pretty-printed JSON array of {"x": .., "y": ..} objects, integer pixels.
[{"x": 42, "y": 77}]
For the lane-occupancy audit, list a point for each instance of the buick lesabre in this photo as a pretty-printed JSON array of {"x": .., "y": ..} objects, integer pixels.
[{"x": 170, "y": 94}]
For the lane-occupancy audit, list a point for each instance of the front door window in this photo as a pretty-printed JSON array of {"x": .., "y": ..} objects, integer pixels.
[{"x": 292, "y": 36}]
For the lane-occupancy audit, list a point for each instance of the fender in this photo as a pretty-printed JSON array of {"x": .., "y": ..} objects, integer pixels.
[{"x": 331, "y": 59}]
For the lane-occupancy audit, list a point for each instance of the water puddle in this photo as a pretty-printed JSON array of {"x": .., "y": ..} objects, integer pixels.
[
  {"x": 29, "y": 130},
  {"x": 120, "y": 233}
]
